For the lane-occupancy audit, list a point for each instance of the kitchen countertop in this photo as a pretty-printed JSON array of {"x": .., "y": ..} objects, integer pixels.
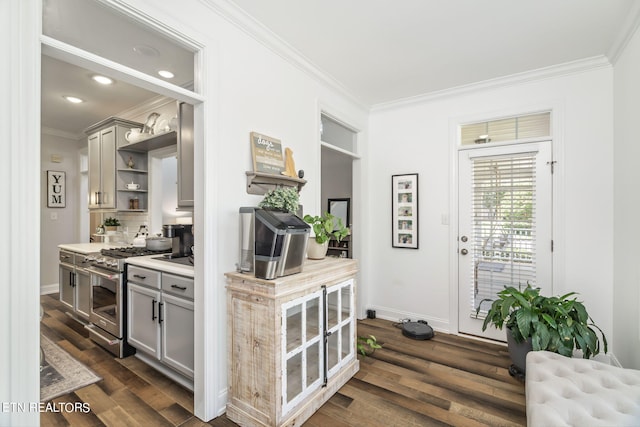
[
  {"x": 86, "y": 248},
  {"x": 152, "y": 262}
]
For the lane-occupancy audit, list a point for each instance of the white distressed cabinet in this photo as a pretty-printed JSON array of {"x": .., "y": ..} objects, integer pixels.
[{"x": 291, "y": 342}]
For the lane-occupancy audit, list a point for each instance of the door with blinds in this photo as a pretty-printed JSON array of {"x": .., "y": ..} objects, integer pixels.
[{"x": 504, "y": 224}]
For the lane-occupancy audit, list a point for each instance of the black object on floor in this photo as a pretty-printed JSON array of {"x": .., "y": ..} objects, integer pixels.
[
  {"x": 516, "y": 373},
  {"x": 419, "y": 330}
]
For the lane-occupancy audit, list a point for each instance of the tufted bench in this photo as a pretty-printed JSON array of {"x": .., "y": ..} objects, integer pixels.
[{"x": 564, "y": 391}]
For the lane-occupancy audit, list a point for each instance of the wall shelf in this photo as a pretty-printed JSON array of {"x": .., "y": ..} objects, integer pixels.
[
  {"x": 152, "y": 143},
  {"x": 259, "y": 183}
]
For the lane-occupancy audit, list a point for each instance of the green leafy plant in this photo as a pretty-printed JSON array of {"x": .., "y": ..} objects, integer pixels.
[
  {"x": 327, "y": 226},
  {"x": 367, "y": 345},
  {"x": 557, "y": 324},
  {"x": 281, "y": 198},
  {"x": 111, "y": 222}
]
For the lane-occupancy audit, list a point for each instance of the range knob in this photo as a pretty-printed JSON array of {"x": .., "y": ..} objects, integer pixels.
[{"x": 101, "y": 260}]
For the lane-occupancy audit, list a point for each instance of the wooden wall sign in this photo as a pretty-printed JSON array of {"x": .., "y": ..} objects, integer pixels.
[
  {"x": 56, "y": 197},
  {"x": 267, "y": 154}
]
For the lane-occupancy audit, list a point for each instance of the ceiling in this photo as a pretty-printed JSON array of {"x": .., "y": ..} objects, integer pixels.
[
  {"x": 383, "y": 50},
  {"x": 379, "y": 51}
]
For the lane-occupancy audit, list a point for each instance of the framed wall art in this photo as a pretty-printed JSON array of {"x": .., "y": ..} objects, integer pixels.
[
  {"x": 404, "y": 211},
  {"x": 267, "y": 154},
  {"x": 56, "y": 191}
]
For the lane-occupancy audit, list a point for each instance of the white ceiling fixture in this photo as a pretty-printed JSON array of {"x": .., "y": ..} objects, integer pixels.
[
  {"x": 73, "y": 99},
  {"x": 166, "y": 74},
  {"x": 103, "y": 80}
]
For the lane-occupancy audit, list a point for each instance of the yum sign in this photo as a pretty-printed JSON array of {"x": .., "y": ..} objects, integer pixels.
[{"x": 56, "y": 189}]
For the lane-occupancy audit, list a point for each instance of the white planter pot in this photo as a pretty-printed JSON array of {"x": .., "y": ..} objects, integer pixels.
[{"x": 316, "y": 250}]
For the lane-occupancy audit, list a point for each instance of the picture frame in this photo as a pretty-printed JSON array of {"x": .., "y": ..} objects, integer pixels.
[
  {"x": 340, "y": 209},
  {"x": 404, "y": 211},
  {"x": 266, "y": 153},
  {"x": 56, "y": 189}
]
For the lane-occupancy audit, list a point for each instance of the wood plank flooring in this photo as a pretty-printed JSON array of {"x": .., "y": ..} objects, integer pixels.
[{"x": 448, "y": 380}]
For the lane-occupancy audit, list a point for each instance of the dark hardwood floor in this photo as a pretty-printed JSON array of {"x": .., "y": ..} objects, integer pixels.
[{"x": 448, "y": 380}]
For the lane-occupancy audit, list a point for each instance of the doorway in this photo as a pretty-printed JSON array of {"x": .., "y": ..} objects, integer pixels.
[
  {"x": 504, "y": 227},
  {"x": 338, "y": 153}
]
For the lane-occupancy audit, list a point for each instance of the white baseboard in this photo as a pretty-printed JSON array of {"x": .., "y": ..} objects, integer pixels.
[
  {"x": 49, "y": 289},
  {"x": 440, "y": 325}
]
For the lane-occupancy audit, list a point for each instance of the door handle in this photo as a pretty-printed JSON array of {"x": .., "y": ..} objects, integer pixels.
[
  {"x": 153, "y": 309},
  {"x": 160, "y": 319},
  {"x": 464, "y": 251}
]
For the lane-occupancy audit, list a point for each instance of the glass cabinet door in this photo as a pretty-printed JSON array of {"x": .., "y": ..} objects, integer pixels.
[
  {"x": 340, "y": 315},
  {"x": 302, "y": 348}
]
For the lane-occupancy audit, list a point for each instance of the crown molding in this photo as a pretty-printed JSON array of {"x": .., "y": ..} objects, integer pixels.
[
  {"x": 567, "y": 68},
  {"x": 140, "y": 109},
  {"x": 259, "y": 32},
  {"x": 626, "y": 33},
  {"x": 61, "y": 133}
]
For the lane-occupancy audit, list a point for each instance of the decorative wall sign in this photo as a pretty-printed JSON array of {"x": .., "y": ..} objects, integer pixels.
[
  {"x": 56, "y": 192},
  {"x": 404, "y": 205},
  {"x": 267, "y": 154}
]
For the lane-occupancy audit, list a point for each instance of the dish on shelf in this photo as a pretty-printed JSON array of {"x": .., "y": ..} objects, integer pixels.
[{"x": 162, "y": 125}]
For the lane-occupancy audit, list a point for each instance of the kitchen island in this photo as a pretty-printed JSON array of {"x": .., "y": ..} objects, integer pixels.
[{"x": 291, "y": 341}]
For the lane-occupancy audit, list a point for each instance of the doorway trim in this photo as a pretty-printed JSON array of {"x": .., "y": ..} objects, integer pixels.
[
  {"x": 558, "y": 185},
  {"x": 357, "y": 194},
  {"x": 209, "y": 395}
]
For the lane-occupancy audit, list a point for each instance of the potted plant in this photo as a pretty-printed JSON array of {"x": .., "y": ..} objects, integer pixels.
[
  {"x": 110, "y": 224},
  {"x": 367, "y": 345},
  {"x": 536, "y": 322},
  {"x": 324, "y": 227},
  {"x": 281, "y": 198}
]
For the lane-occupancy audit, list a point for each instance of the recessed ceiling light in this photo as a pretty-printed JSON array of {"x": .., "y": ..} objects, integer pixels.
[
  {"x": 103, "y": 80},
  {"x": 144, "y": 50},
  {"x": 73, "y": 99},
  {"x": 166, "y": 74}
]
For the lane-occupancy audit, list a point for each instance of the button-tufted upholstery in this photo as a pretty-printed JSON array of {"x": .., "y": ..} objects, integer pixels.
[{"x": 564, "y": 391}]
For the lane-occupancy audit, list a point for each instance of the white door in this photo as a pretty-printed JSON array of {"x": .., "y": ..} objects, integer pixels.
[{"x": 504, "y": 223}]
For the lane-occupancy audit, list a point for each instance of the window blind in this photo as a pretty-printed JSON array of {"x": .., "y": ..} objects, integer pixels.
[
  {"x": 509, "y": 129},
  {"x": 504, "y": 219}
]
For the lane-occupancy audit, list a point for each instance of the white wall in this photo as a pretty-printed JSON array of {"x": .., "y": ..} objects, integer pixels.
[
  {"x": 58, "y": 225},
  {"x": 418, "y": 138},
  {"x": 248, "y": 88},
  {"x": 626, "y": 291}
]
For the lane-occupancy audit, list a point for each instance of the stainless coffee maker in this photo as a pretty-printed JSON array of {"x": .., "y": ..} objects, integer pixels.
[{"x": 182, "y": 239}]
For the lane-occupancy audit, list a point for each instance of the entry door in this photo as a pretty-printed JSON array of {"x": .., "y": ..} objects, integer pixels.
[{"x": 504, "y": 225}]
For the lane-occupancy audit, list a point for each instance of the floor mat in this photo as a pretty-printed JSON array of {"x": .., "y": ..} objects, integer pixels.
[{"x": 60, "y": 373}]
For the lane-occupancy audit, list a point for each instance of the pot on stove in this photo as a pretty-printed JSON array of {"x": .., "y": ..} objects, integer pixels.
[{"x": 158, "y": 243}]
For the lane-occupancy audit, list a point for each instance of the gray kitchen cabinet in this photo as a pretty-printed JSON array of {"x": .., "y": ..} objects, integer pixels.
[
  {"x": 83, "y": 293},
  {"x": 185, "y": 156},
  {"x": 143, "y": 326},
  {"x": 75, "y": 283},
  {"x": 66, "y": 285},
  {"x": 103, "y": 138},
  {"x": 160, "y": 312}
]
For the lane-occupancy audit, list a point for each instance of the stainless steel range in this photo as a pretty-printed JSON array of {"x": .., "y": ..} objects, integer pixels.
[{"x": 108, "y": 298}]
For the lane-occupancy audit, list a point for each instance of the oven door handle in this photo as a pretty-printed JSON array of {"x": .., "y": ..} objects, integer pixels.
[
  {"x": 108, "y": 276},
  {"x": 109, "y": 341}
]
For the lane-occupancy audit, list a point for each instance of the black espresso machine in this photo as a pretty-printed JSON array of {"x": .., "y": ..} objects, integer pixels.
[{"x": 181, "y": 236}]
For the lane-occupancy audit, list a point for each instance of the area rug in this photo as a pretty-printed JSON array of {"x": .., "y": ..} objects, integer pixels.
[{"x": 60, "y": 373}]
